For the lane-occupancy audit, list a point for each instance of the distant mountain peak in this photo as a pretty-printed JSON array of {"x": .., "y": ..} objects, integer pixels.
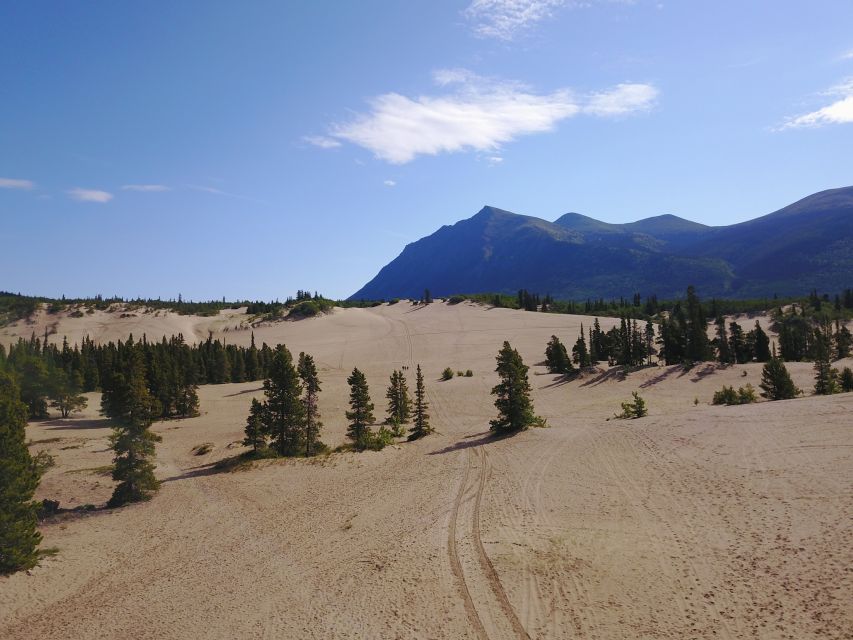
[{"x": 806, "y": 245}]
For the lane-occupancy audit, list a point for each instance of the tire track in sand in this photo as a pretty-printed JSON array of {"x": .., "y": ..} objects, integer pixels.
[{"x": 486, "y": 603}]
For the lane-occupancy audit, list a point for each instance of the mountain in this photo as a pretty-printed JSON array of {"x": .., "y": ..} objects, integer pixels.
[{"x": 807, "y": 245}]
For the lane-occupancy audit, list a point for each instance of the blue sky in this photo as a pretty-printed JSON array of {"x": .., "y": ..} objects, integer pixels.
[{"x": 249, "y": 149}]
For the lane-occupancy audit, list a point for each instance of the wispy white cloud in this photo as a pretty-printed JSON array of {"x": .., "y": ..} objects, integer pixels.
[
  {"x": 390, "y": 183},
  {"x": 623, "y": 99},
  {"x": 494, "y": 160},
  {"x": 89, "y": 195},
  {"x": 840, "y": 111},
  {"x": 506, "y": 19},
  {"x": 847, "y": 55},
  {"x": 15, "y": 183},
  {"x": 477, "y": 114},
  {"x": 323, "y": 142},
  {"x": 220, "y": 192},
  {"x": 148, "y": 188}
]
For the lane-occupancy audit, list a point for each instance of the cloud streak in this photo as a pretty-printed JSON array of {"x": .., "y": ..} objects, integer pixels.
[
  {"x": 840, "y": 111},
  {"x": 89, "y": 195},
  {"x": 321, "y": 141},
  {"x": 146, "y": 188},
  {"x": 476, "y": 114},
  {"x": 15, "y": 183},
  {"x": 506, "y": 19}
]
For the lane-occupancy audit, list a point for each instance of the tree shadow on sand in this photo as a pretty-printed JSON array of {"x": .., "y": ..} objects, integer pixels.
[
  {"x": 474, "y": 440},
  {"x": 70, "y": 423}
]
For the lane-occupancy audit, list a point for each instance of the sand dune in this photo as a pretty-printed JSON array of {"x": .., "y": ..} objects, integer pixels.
[{"x": 697, "y": 521}]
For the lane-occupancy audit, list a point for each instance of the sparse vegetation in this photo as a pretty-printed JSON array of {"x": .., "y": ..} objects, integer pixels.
[
  {"x": 728, "y": 395},
  {"x": 776, "y": 383},
  {"x": 421, "y": 426},
  {"x": 635, "y": 408},
  {"x": 515, "y": 408},
  {"x": 447, "y": 374}
]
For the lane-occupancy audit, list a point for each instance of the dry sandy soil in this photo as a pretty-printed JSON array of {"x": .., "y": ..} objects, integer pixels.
[{"x": 694, "y": 522}]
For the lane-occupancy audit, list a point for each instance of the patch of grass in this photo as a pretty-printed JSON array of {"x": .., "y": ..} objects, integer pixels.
[
  {"x": 48, "y": 552},
  {"x": 45, "y": 441},
  {"x": 202, "y": 449},
  {"x": 106, "y": 470}
]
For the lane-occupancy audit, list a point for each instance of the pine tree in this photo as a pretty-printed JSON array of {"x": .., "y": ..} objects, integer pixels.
[
  {"x": 724, "y": 351},
  {"x": 255, "y": 430},
  {"x": 285, "y": 412},
  {"x": 776, "y": 383},
  {"x": 399, "y": 403},
  {"x": 128, "y": 403},
  {"x": 580, "y": 355},
  {"x": 761, "y": 344},
  {"x": 843, "y": 341},
  {"x": 19, "y": 478},
  {"x": 311, "y": 382},
  {"x": 650, "y": 341},
  {"x": 556, "y": 357},
  {"x": 698, "y": 345},
  {"x": 360, "y": 415},
  {"x": 826, "y": 378},
  {"x": 515, "y": 408},
  {"x": 846, "y": 380},
  {"x": 421, "y": 426},
  {"x": 66, "y": 393}
]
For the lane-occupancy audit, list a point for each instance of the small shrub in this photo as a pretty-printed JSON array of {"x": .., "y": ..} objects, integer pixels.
[
  {"x": 460, "y": 373},
  {"x": 397, "y": 429},
  {"x": 455, "y": 299},
  {"x": 728, "y": 396},
  {"x": 846, "y": 380},
  {"x": 633, "y": 409},
  {"x": 378, "y": 440},
  {"x": 202, "y": 449},
  {"x": 469, "y": 374},
  {"x": 447, "y": 374}
]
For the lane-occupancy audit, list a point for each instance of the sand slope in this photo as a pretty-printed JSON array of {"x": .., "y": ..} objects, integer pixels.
[{"x": 697, "y": 521}]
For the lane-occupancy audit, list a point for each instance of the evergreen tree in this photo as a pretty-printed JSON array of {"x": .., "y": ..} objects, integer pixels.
[
  {"x": 311, "y": 382},
  {"x": 776, "y": 383},
  {"x": 399, "y": 403},
  {"x": 515, "y": 408},
  {"x": 65, "y": 393},
  {"x": 650, "y": 341},
  {"x": 255, "y": 430},
  {"x": 737, "y": 344},
  {"x": 128, "y": 403},
  {"x": 556, "y": 357},
  {"x": 421, "y": 426},
  {"x": 580, "y": 354},
  {"x": 723, "y": 348},
  {"x": 846, "y": 380},
  {"x": 360, "y": 415},
  {"x": 285, "y": 412},
  {"x": 760, "y": 344},
  {"x": 843, "y": 341},
  {"x": 826, "y": 378},
  {"x": 698, "y": 345},
  {"x": 19, "y": 478}
]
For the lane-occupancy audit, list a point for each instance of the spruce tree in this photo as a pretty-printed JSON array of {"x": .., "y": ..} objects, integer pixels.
[
  {"x": 724, "y": 351},
  {"x": 255, "y": 431},
  {"x": 826, "y": 378},
  {"x": 66, "y": 393},
  {"x": 776, "y": 383},
  {"x": 515, "y": 408},
  {"x": 421, "y": 426},
  {"x": 580, "y": 355},
  {"x": 128, "y": 403},
  {"x": 556, "y": 357},
  {"x": 399, "y": 403},
  {"x": 698, "y": 345},
  {"x": 761, "y": 344},
  {"x": 311, "y": 382},
  {"x": 360, "y": 415},
  {"x": 19, "y": 478},
  {"x": 846, "y": 380},
  {"x": 285, "y": 412}
]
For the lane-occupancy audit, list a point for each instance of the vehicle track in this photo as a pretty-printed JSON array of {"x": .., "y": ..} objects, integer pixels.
[{"x": 486, "y": 602}]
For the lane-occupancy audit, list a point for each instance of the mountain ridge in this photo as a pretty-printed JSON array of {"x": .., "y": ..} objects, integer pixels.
[{"x": 808, "y": 244}]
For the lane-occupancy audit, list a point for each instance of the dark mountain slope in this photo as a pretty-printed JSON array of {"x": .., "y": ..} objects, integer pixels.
[{"x": 807, "y": 245}]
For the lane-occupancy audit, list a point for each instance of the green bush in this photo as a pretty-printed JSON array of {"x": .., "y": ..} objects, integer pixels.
[
  {"x": 447, "y": 374},
  {"x": 633, "y": 409},
  {"x": 377, "y": 440},
  {"x": 728, "y": 395},
  {"x": 469, "y": 374}
]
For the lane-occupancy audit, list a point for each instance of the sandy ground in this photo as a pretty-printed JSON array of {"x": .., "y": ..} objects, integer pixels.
[{"x": 695, "y": 522}]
